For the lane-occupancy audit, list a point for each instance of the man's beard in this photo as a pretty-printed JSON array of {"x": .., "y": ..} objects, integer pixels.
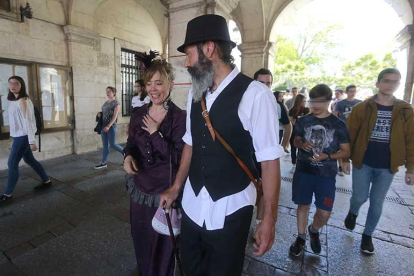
[{"x": 202, "y": 75}]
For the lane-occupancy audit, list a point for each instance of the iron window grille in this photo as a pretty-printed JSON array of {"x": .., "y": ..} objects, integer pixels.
[
  {"x": 131, "y": 70},
  {"x": 5, "y": 5}
]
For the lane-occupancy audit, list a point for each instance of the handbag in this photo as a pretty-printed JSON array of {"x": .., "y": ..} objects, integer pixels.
[{"x": 257, "y": 182}]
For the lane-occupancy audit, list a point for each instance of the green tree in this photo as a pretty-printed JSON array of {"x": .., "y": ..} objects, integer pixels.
[
  {"x": 363, "y": 72},
  {"x": 299, "y": 59}
]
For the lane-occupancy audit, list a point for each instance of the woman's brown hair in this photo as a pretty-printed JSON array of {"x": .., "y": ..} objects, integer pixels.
[
  {"x": 113, "y": 89},
  {"x": 163, "y": 67},
  {"x": 297, "y": 108},
  {"x": 22, "y": 92}
]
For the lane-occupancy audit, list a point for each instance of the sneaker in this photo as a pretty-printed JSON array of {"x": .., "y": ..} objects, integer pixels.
[
  {"x": 43, "y": 185},
  {"x": 4, "y": 199},
  {"x": 366, "y": 245},
  {"x": 340, "y": 171},
  {"x": 297, "y": 248},
  {"x": 100, "y": 166},
  {"x": 315, "y": 242},
  {"x": 350, "y": 220},
  {"x": 292, "y": 170}
]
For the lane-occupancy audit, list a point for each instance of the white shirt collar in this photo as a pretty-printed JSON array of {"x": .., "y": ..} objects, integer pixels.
[{"x": 230, "y": 77}]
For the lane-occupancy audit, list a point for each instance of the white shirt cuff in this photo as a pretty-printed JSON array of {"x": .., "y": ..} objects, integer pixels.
[
  {"x": 188, "y": 139},
  {"x": 268, "y": 154}
]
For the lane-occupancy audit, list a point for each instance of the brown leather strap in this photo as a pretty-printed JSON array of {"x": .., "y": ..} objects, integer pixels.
[
  {"x": 214, "y": 134},
  {"x": 204, "y": 113}
]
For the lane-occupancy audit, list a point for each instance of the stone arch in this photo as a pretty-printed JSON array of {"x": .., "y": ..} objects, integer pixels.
[
  {"x": 129, "y": 21},
  {"x": 81, "y": 13}
]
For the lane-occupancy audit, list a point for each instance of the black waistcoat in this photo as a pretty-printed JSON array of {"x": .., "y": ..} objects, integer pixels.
[{"x": 212, "y": 165}]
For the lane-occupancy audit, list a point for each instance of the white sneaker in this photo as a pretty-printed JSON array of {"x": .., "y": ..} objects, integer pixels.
[{"x": 292, "y": 170}]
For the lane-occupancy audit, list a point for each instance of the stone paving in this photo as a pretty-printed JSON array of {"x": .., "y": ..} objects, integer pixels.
[{"x": 81, "y": 227}]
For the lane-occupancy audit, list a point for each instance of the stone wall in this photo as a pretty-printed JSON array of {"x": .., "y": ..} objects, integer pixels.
[
  {"x": 88, "y": 38},
  {"x": 41, "y": 40}
]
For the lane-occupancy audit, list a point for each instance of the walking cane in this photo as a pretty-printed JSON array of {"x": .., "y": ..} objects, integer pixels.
[{"x": 177, "y": 256}]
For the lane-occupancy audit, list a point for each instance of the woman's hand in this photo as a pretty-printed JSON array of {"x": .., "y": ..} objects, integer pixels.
[
  {"x": 106, "y": 129},
  {"x": 130, "y": 165},
  {"x": 151, "y": 125},
  {"x": 168, "y": 197},
  {"x": 33, "y": 147}
]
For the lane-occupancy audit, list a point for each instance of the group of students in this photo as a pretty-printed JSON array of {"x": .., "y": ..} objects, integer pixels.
[
  {"x": 172, "y": 154},
  {"x": 377, "y": 135}
]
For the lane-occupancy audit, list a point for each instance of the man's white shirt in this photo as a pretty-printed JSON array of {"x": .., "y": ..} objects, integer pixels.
[{"x": 258, "y": 114}]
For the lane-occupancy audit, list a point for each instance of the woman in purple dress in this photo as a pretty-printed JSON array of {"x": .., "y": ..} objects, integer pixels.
[{"x": 153, "y": 151}]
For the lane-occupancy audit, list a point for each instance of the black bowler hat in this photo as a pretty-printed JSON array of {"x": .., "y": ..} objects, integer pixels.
[{"x": 206, "y": 27}]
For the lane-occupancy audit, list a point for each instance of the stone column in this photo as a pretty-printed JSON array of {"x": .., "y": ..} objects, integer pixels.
[
  {"x": 221, "y": 7},
  {"x": 180, "y": 12},
  {"x": 406, "y": 40},
  {"x": 83, "y": 48},
  {"x": 255, "y": 55}
]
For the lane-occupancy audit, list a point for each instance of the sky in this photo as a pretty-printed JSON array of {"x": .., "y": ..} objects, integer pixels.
[{"x": 369, "y": 26}]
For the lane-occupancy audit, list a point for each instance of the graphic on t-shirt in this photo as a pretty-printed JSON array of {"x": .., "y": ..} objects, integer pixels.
[
  {"x": 381, "y": 132},
  {"x": 347, "y": 111},
  {"x": 327, "y": 134},
  {"x": 320, "y": 137}
]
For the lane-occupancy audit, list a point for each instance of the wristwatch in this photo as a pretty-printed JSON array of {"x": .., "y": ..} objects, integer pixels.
[{"x": 329, "y": 157}]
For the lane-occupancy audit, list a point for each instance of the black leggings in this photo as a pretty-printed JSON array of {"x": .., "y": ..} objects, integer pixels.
[{"x": 293, "y": 150}]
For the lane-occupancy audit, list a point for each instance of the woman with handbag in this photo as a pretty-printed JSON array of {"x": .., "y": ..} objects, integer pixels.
[
  {"x": 152, "y": 157},
  {"x": 110, "y": 110}
]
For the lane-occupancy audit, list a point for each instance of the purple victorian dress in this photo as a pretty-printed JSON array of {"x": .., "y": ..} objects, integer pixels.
[{"x": 154, "y": 252}]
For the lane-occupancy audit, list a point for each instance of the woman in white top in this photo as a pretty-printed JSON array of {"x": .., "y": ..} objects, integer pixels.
[
  {"x": 22, "y": 129},
  {"x": 140, "y": 97}
]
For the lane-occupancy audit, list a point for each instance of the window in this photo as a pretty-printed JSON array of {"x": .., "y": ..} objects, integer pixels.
[
  {"x": 55, "y": 97},
  {"x": 5, "y": 5},
  {"x": 49, "y": 88},
  {"x": 131, "y": 70}
]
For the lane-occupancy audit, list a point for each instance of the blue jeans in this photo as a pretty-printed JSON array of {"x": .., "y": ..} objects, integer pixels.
[
  {"x": 21, "y": 149},
  {"x": 109, "y": 140},
  {"x": 381, "y": 180}
]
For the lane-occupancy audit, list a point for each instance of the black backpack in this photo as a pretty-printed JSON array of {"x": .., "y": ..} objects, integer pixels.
[{"x": 39, "y": 120}]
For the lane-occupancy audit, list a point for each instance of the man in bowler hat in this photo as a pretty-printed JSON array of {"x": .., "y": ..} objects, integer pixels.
[{"x": 219, "y": 197}]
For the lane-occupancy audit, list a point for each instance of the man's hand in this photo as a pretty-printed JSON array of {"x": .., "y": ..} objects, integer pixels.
[
  {"x": 319, "y": 158},
  {"x": 130, "y": 165},
  {"x": 265, "y": 236},
  {"x": 33, "y": 147},
  {"x": 106, "y": 129},
  {"x": 409, "y": 179},
  {"x": 307, "y": 146},
  {"x": 168, "y": 197},
  {"x": 346, "y": 167}
]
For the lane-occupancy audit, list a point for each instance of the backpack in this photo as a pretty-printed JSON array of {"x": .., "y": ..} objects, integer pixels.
[{"x": 39, "y": 120}]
